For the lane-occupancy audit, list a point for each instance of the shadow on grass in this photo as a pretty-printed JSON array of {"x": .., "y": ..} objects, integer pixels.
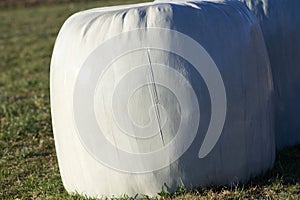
[{"x": 286, "y": 168}]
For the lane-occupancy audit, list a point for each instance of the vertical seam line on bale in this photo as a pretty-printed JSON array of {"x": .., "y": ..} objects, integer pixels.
[{"x": 154, "y": 95}]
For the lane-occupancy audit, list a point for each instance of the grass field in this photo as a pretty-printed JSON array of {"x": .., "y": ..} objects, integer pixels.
[{"x": 28, "y": 165}]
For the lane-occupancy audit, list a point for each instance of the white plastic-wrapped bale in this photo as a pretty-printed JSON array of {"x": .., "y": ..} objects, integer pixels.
[
  {"x": 128, "y": 85},
  {"x": 280, "y": 23}
]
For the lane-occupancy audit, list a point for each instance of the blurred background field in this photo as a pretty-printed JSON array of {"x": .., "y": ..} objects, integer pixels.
[
  {"x": 28, "y": 164},
  {"x": 28, "y": 3}
]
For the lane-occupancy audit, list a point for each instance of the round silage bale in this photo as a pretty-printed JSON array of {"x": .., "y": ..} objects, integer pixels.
[
  {"x": 152, "y": 96},
  {"x": 280, "y": 23}
]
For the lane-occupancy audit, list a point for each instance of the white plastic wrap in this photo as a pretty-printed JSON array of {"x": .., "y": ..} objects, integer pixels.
[
  {"x": 157, "y": 95},
  {"x": 280, "y": 23}
]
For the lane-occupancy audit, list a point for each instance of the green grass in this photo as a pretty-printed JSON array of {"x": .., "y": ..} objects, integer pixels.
[{"x": 28, "y": 165}]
